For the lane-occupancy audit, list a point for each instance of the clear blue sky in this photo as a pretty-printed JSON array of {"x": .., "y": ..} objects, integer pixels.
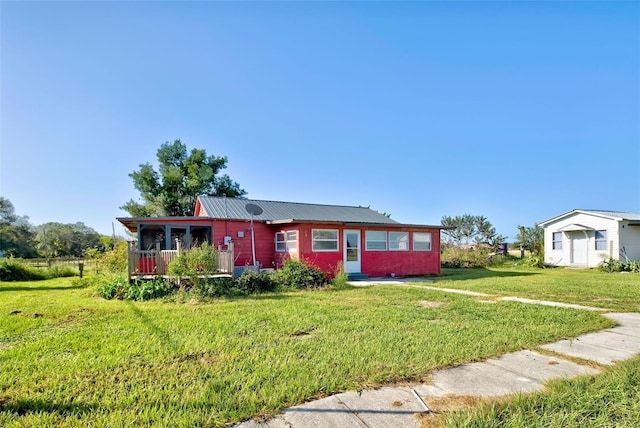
[{"x": 517, "y": 111}]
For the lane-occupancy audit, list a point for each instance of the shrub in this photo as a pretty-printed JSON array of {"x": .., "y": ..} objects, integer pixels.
[
  {"x": 197, "y": 261},
  {"x": 299, "y": 275},
  {"x": 612, "y": 265},
  {"x": 112, "y": 286},
  {"x": 16, "y": 270},
  {"x": 216, "y": 287},
  {"x": 251, "y": 282},
  {"x": 114, "y": 261},
  {"x": 340, "y": 278},
  {"x": 61, "y": 272}
]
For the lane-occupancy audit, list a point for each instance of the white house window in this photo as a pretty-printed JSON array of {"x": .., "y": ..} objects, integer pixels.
[
  {"x": 324, "y": 240},
  {"x": 556, "y": 241},
  {"x": 421, "y": 241},
  {"x": 375, "y": 240},
  {"x": 399, "y": 241},
  {"x": 287, "y": 241},
  {"x": 601, "y": 240}
]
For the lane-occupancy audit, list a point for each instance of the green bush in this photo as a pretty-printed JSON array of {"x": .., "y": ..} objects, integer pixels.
[
  {"x": 61, "y": 272},
  {"x": 299, "y": 275},
  {"x": 340, "y": 278},
  {"x": 251, "y": 282},
  {"x": 118, "y": 287},
  {"x": 216, "y": 287},
  {"x": 16, "y": 270},
  {"x": 112, "y": 286},
  {"x": 612, "y": 265},
  {"x": 197, "y": 261},
  {"x": 114, "y": 261}
]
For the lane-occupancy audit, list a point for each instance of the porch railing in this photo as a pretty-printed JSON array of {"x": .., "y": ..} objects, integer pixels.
[{"x": 156, "y": 262}]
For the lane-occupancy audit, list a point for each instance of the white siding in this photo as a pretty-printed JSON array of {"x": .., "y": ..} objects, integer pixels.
[
  {"x": 630, "y": 240},
  {"x": 592, "y": 257}
]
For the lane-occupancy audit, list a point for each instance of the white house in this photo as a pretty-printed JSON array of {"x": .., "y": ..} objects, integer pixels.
[{"x": 583, "y": 238}]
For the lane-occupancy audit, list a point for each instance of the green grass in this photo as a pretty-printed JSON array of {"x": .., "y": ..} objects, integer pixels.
[
  {"x": 69, "y": 358},
  {"x": 611, "y": 399},
  {"x": 589, "y": 287}
]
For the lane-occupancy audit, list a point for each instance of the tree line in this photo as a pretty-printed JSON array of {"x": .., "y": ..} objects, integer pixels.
[{"x": 19, "y": 238}]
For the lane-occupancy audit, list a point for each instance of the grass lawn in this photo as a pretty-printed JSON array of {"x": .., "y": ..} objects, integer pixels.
[
  {"x": 611, "y": 399},
  {"x": 69, "y": 358},
  {"x": 589, "y": 287}
]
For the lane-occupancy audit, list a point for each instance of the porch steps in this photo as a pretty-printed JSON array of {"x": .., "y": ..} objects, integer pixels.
[{"x": 357, "y": 276}]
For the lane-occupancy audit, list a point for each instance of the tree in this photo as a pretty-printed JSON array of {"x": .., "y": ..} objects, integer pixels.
[
  {"x": 471, "y": 228},
  {"x": 16, "y": 233},
  {"x": 66, "y": 240},
  {"x": 180, "y": 179},
  {"x": 531, "y": 239}
]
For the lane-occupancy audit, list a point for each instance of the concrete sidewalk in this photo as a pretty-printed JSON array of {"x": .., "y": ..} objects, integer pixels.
[{"x": 522, "y": 371}]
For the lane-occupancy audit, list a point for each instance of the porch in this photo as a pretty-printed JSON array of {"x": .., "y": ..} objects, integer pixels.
[{"x": 147, "y": 264}]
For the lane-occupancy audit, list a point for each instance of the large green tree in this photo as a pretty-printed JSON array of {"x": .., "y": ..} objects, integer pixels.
[
  {"x": 180, "y": 179},
  {"x": 16, "y": 233},
  {"x": 66, "y": 240}
]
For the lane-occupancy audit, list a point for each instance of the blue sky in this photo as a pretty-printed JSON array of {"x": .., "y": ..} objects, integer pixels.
[{"x": 518, "y": 111}]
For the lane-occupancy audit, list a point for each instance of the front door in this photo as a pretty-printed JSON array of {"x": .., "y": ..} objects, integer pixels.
[
  {"x": 352, "y": 251},
  {"x": 579, "y": 244}
]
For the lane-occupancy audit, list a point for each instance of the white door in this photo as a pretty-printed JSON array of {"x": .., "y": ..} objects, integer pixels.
[
  {"x": 579, "y": 248},
  {"x": 351, "y": 247}
]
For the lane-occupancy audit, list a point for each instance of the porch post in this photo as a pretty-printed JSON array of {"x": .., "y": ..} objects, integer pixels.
[{"x": 159, "y": 265}]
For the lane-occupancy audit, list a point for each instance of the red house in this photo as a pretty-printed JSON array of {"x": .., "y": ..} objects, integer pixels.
[{"x": 366, "y": 242}]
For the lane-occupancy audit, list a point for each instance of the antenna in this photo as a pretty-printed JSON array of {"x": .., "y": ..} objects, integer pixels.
[{"x": 253, "y": 209}]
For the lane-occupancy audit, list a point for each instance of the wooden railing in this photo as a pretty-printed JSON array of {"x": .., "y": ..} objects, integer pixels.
[{"x": 156, "y": 262}]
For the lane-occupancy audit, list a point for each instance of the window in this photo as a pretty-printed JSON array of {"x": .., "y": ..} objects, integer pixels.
[
  {"x": 281, "y": 243},
  {"x": 601, "y": 240},
  {"x": 287, "y": 241},
  {"x": 556, "y": 239},
  {"x": 421, "y": 241},
  {"x": 399, "y": 241},
  {"x": 375, "y": 240},
  {"x": 324, "y": 240}
]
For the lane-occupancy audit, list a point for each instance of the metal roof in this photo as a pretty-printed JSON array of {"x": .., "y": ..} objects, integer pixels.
[
  {"x": 614, "y": 215},
  {"x": 276, "y": 211}
]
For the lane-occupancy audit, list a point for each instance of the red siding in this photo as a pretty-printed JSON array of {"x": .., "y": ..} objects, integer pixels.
[
  {"x": 264, "y": 235},
  {"x": 373, "y": 263}
]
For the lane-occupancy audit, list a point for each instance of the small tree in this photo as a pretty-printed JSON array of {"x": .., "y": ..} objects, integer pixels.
[
  {"x": 180, "y": 179},
  {"x": 531, "y": 239}
]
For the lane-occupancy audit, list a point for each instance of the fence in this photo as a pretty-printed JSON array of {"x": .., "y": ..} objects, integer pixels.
[{"x": 156, "y": 262}]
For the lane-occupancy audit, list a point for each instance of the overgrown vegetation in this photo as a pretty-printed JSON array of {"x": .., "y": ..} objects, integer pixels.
[
  {"x": 18, "y": 270},
  {"x": 612, "y": 265},
  {"x": 297, "y": 275},
  {"x": 460, "y": 257}
]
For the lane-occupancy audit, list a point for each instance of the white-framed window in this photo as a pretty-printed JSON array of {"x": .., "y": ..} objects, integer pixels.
[
  {"x": 601, "y": 240},
  {"x": 421, "y": 241},
  {"x": 556, "y": 241},
  {"x": 375, "y": 240},
  {"x": 286, "y": 241},
  {"x": 399, "y": 241},
  {"x": 324, "y": 240}
]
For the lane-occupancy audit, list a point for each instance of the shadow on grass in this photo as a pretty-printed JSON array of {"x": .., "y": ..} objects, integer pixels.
[
  {"x": 462, "y": 274},
  {"x": 70, "y": 287},
  {"x": 23, "y": 407}
]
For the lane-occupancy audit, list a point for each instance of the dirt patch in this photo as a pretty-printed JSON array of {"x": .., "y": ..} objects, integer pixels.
[
  {"x": 446, "y": 405},
  {"x": 15, "y": 312},
  {"x": 430, "y": 304}
]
